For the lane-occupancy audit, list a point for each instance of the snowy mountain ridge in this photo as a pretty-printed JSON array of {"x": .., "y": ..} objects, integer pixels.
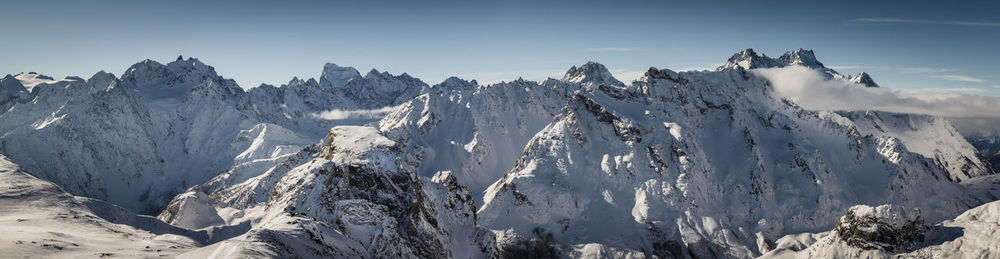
[
  {"x": 140, "y": 139},
  {"x": 689, "y": 164},
  {"x": 749, "y": 59}
]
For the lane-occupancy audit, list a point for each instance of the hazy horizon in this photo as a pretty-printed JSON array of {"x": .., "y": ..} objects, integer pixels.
[{"x": 917, "y": 47}]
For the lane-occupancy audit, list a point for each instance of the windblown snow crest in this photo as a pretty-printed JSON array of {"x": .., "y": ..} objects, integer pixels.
[{"x": 674, "y": 165}]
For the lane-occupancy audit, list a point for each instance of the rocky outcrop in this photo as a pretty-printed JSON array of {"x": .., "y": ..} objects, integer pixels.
[{"x": 886, "y": 227}]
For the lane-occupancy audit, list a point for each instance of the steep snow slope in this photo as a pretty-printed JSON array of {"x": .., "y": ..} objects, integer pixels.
[
  {"x": 63, "y": 136},
  {"x": 989, "y": 148},
  {"x": 11, "y": 85},
  {"x": 930, "y": 136},
  {"x": 11, "y": 91},
  {"x": 139, "y": 140},
  {"x": 356, "y": 196},
  {"x": 475, "y": 132},
  {"x": 984, "y": 135},
  {"x": 39, "y": 219},
  {"x": 703, "y": 163}
]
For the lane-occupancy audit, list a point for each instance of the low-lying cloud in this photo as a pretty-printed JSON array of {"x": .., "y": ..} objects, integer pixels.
[
  {"x": 354, "y": 114},
  {"x": 811, "y": 90}
]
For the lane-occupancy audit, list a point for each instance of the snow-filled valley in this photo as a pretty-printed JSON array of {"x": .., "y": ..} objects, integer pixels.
[{"x": 175, "y": 160}]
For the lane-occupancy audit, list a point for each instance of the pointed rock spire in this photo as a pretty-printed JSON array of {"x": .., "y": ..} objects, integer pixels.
[
  {"x": 863, "y": 79},
  {"x": 749, "y": 59},
  {"x": 591, "y": 73},
  {"x": 801, "y": 57}
]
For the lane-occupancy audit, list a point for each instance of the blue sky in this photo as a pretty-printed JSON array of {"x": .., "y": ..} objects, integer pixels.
[{"x": 911, "y": 46}]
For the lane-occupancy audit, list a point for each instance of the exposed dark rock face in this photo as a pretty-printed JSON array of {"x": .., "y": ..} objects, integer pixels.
[{"x": 885, "y": 227}]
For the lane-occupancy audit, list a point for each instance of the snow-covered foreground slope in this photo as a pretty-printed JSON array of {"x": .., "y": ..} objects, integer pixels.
[
  {"x": 39, "y": 219},
  {"x": 882, "y": 233}
]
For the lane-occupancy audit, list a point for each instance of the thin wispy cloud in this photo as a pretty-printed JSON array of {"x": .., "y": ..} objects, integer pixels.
[
  {"x": 905, "y": 70},
  {"x": 925, "y": 70},
  {"x": 337, "y": 114},
  {"x": 610, "y": 49},
  {"x": 917, "y": 21},
  {"x": 854, "y": 67},
  {"x": 964, "y": 89},
  {"x": 948, "y": 90},
  {"x": 959, "y": 78}
]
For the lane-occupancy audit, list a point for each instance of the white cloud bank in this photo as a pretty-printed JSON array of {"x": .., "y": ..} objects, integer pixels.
[
  {"x": 812, "y": 90},
  {"x": 354, "y": 114}
]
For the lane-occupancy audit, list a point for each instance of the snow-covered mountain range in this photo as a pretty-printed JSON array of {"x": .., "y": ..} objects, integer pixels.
[
  {"x": 672, "y": 165},
  {"x": 140, "y": 139}
]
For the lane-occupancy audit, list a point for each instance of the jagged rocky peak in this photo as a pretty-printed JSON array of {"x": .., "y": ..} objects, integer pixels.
[
  {"x": 749, "y": 59},
  {"x": 802, "y": 57},
  {"x": 374, "y": 73},
  {"x": 455, "y": 83},
  {"x": 864, "y": 79},
  {"x": 337, "y": 76},
  {"x": 886, "y": 227},
  {"x": 190, "y": 65},
  {"x": 374, "y": 77},
  {"x": 11, "y": 85},
  {"x": 656, "y": 73},
  {"x": 190, "y": 68},
  {"x": 296, "y": 81},
  {"x": 591, "y": 73},
  {"x": 101, "y": 81},
  {"x": 175, "y": 79}
]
